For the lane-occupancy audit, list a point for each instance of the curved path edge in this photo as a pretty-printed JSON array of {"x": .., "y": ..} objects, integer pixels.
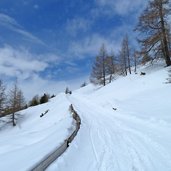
[{"x": 51, "y": 157}]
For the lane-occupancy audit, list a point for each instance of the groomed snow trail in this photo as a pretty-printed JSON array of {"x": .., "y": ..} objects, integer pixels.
[{"x": 128, "y": 139}]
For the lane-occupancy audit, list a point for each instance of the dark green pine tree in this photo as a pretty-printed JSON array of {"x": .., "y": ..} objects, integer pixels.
[{"x": 44, "y": 98}]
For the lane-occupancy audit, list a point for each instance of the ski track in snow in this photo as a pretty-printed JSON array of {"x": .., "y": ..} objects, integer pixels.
[
  {"x": 118, "y": 142},
  {"x": 134, "y": 137}
]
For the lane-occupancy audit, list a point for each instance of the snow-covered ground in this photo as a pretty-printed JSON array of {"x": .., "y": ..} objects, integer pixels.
[
  {"x": 34, "y": 136},
  {"x": 135, "y": 137}
]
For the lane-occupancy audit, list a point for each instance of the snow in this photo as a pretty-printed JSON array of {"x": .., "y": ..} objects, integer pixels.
[
  {"x": 134, "y": 137},
  {"x": 34, "y": 136}
]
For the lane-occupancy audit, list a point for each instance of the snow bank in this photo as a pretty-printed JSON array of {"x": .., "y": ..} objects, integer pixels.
[
  {"x": 134, "y": 137},
  {"x": 35, "y": 136}
]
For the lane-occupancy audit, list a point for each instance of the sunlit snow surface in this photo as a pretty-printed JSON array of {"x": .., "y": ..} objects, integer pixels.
[
  {"x": 34, "y": 136},
  {"x": 135, "y": 137}
]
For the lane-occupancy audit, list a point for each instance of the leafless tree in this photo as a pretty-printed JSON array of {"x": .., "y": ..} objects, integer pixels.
[
  {"x": 21, "y": 100},
  {"x": 16, "y": 101},
  {"x": 98, "y": 74},
  {"x": 110, "y": 66},
  {"x": 126, "y": 42},
  {"x": 2, "y": 97},
  {"x": 154, "y": 28},
  {"x": 135, "y": 54},
  {"x": 124, "y": 56}
]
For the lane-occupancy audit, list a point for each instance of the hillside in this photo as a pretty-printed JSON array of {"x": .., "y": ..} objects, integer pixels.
[
  {"x": 34, "y": 136},
  {"x": 126, "y": 126},
  {"x": 135, "y": 137}
]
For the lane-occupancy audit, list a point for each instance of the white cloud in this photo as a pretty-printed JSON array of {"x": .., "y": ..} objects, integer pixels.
[
  {"x": 26, "y": 67},
  {"x": 12, "y": 24},
  {"x": 36, "y": 6},
  {"x": 5, "y": 19},
  {"x": 121, "y": 7},
  {"x": 39, "y": 86},
  {"x": 76, "y": 25},
  {"x": 19, "y": 63},
  {"x": 90, "y": 46}
]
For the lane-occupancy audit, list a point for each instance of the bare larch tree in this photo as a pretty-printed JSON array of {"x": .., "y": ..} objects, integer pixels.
[
  {"x": 110, "y": 66},
  {"x": 16, "y": 101},
  {"x": 135, "y": 54},
  {"x": 98, "y": 74},
  {"x": 125, "y": 56},
  {"x": 154, "y": 27},
  {"x": 127, "y": 53},
  {"x": 2, "y": 97}
]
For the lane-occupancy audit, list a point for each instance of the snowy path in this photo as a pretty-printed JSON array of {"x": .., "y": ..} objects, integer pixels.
[
  {"x": 108, "y": 141},
  {"x": 135, "y": 137}
]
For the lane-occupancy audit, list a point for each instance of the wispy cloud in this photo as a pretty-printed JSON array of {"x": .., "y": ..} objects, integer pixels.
[
  {"x": 121, "y": 7},
  {"x": 36, "y": 7},
  {"x": 88, "y": 46},
  {"x": 9, "y": 21},
  {"x": 76, "y": 25},
  {"x": 12, "y": 24}
]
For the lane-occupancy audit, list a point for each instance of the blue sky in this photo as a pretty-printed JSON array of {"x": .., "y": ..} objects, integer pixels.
[{"x": 51, "y": 44}]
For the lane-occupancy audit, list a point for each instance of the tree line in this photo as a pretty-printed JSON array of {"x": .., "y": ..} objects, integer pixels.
[
  {"x": 36, "y": 100},
  {"x": 154, "y": 40},
  {"x": 107, "y": 65},
  {"x": 14, "y": 101}
]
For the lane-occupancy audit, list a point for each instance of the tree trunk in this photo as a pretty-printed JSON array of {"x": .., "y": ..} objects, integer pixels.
[
  {"x": 110, "y": 78},
  {"x": 129, "y": 65},
  {"x": 164, "y": 37},
  {"x": 128, "y": 56},
  {"x": 135, "y": 62},
  {"x": 104, "y": 72},
  {"x": 13, "y": 119}
]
